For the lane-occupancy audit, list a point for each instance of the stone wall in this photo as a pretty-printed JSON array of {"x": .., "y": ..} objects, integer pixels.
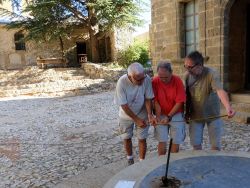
[
  {"x": 15, "y": 59},
  {"x": 10, "y": 58},
  {"x": 96, "y": 71},
  {"x": 167, "y": 32},
  {"x": 163, "y": 33},
  {"x": 108, "y": 45}
]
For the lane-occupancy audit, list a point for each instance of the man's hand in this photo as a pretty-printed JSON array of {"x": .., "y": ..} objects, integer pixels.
[
  {"x": 165, "y": 121},
  {"x": 158, "y": 120},
  {"x": 140, "y": 122},
  {"x": 152, "y": 120},
  {"x": 230, "y": 112},
  {"x": 225, "y": 101}
]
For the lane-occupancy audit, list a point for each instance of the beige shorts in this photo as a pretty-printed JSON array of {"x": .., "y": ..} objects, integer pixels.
[{"x": 127, "y": 127}]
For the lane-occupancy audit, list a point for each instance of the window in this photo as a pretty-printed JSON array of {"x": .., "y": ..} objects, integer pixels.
[
  {"x": 191, "y": 26},
  {"x": 19, "y": 42}
]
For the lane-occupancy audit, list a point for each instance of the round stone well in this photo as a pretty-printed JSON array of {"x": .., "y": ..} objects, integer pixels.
[{"x": 195, "y": 169}]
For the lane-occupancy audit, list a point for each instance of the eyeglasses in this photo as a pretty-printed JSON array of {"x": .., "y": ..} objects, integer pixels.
[
  {"x": 141, "y": 79},
  {"x": 137, "y": 80},
  {"x": 190, "y": 67}
]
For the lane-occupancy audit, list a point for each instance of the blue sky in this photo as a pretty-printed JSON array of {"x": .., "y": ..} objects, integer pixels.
[{"x": 146, "y": 16}]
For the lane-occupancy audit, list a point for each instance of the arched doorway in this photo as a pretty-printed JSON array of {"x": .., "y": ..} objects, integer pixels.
[
  {"x": 239, "y": 46},
  {"x": 247, "y": 79}
]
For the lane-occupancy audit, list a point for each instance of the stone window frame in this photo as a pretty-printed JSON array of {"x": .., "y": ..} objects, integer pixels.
[
  {"x": 194, "y": 28},
  {"x": 19, "y": 43},
  {"x": 182, "y": 29}
]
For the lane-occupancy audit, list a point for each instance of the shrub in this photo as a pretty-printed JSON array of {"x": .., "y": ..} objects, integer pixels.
[{"x": 137, "y": 51}]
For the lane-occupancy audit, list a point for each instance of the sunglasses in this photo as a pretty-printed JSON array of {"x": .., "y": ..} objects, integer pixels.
[{"x": 190, "y": 67}]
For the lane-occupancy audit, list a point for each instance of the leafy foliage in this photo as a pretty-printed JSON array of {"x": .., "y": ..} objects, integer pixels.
[
  {"x": 56, "y": 19},
  {"x": 136, "y": 52},
  {"x": 49, "y": 18},
  {"x": 45, "y": 23}
]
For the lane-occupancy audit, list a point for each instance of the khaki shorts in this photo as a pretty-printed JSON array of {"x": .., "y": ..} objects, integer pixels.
[
  {"x": 126, "y": 129},
  {"x": 177, "y": 130}
]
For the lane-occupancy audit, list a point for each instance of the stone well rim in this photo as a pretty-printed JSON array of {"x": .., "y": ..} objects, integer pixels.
[{"x": 139, "y": 171}]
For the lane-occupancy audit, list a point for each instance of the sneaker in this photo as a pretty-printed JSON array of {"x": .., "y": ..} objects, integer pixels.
[{"x": 130, "y": 162}]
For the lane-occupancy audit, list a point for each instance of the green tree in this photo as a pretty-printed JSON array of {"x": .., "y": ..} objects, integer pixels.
[
  {"x": 45, "y": 23},
  {"x": 53, "y": 19},
  {"x": 137, "y": 51}
]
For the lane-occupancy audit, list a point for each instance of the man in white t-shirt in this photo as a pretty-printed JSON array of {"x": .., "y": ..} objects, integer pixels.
[{"x": 134, "y": 95}]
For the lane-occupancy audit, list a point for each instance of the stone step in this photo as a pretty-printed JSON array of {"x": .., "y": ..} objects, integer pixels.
[
  {"x": 241, "y": 104},
  {"x": 240, "y": 97},
  {"x": 242, "y": 107},
  {"x": 240, "y": 116}
]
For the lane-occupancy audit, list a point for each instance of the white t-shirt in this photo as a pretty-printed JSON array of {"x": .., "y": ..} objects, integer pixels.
[{"x": 133, "y": 95}]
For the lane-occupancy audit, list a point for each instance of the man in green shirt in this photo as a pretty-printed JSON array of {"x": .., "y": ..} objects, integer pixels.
[{"x": 204, "y": 92}]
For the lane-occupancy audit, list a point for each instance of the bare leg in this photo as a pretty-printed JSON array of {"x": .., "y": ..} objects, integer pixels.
[
  {"x": 197, "y": 147},
  {"x": 128, "y": 146},
  {"x": 175, "y": 148},
  {"x": 142, "y": 148},
  {"x": 162, "y": 148}
]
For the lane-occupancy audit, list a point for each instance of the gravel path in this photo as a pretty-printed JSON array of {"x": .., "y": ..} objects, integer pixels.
[{"x": 47, "y": 140}]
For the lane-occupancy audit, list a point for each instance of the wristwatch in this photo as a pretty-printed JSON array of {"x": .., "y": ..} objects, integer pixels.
[{"x": 169, "y": 118}]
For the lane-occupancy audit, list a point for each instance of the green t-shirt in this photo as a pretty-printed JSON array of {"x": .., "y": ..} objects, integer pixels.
[{"x": 204, "y": 101}]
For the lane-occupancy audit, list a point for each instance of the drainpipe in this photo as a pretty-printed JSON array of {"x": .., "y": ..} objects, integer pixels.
[
  {"x": 221, "y": 16},
  {"x": 205, "y": 28},
  {"x": 177, "y": 34}
]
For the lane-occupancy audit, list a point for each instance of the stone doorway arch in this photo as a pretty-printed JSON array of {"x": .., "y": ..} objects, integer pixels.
[{"x": 236, "y": 27}]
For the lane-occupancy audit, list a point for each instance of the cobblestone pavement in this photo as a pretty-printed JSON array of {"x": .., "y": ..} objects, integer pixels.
[{"x": 44, "y": 141}]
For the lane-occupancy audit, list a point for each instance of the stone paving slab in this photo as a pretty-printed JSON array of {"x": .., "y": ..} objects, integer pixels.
[
  {"x": 94, "y": 178},
  {"x": 97, "y": 177}
]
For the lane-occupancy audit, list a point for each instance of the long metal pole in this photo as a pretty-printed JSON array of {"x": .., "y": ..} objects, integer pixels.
[{"x": 169, "y": 150}]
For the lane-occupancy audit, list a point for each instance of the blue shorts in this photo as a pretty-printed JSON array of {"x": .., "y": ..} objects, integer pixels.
[
  {"x": 215, "y": 129},
  {"x": 126, "y": 129},
  {"x": 177, "y": 130}
]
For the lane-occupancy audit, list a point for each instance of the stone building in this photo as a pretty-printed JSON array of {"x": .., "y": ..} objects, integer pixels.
[
  {"x": 220, "y": 29},
  {"x": 15, "y": 54}
]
